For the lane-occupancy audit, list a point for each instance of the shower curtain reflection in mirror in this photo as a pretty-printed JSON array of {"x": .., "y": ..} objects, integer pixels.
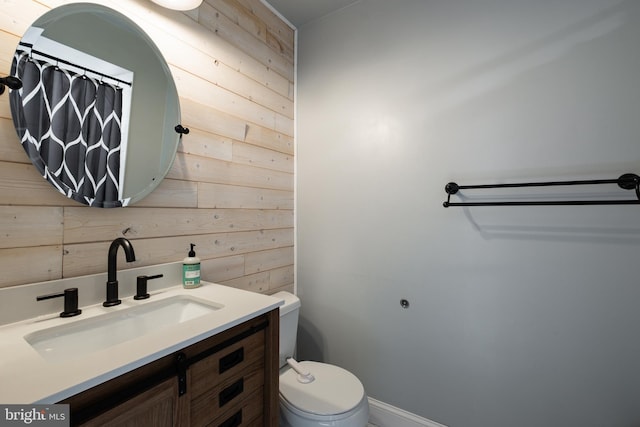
[{"x": 69, "y": 124}]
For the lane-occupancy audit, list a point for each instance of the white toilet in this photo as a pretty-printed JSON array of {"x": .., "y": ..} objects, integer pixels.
[{"x": 314, "y": 394}]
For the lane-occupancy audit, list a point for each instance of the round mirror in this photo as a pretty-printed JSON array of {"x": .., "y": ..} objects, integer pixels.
[{"x": 98, "y": 109}]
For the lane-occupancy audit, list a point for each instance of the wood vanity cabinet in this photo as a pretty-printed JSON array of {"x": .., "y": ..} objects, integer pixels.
[{"x": 228, "y": 380}]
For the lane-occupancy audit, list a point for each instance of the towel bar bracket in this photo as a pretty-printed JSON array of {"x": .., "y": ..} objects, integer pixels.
[{"x": 628, "y": 181}]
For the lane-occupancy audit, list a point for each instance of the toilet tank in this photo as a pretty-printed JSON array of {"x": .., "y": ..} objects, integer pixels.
[{"x": 288, "y": 324}]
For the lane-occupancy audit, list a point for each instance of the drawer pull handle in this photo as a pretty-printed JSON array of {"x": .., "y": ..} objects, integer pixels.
[
  {"x": 230, "y": 360},
  {"x": 233, "y": 421},
  {"x": 230, "y": 392}
]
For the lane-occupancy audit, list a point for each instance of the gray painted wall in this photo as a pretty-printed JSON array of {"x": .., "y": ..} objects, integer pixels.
[{"x": 518, "y": 316}]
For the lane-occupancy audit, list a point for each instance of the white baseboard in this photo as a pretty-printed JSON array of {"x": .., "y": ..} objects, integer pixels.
[{"x": 384, "y": 415}]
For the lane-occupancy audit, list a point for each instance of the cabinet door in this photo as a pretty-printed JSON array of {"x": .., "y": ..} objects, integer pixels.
[{"x": 156, "y": 407}]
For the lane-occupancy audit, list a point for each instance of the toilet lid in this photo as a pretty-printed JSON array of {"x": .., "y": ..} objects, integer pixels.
[{"x": 334, "y": 391}]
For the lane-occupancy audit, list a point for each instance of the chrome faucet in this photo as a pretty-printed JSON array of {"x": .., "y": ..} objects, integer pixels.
[{"x": 112, "y": 283}]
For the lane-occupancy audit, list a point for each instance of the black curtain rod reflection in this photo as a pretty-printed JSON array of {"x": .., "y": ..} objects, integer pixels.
[
  {"x": 64, "y": 61},
  {"x": 628, "y": 181}
]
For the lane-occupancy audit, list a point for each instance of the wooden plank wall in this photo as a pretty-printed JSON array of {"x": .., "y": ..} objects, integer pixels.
[{"x": 230, "y": 190}]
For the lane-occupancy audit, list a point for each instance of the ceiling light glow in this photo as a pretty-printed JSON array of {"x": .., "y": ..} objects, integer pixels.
[{"x": 178, "y": 4}]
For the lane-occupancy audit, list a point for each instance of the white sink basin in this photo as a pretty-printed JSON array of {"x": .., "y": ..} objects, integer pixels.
[{"x": 100, "y": 332}]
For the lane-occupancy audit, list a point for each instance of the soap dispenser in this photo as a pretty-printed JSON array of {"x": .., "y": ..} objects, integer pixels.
[{"x": 191, "y": 270}]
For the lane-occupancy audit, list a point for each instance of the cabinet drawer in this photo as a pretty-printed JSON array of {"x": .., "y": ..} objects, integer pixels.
[
  {"x": 224, "y": 398},
  {"x": 230, "y": 362},
  {"x": 246, "y": 413}
]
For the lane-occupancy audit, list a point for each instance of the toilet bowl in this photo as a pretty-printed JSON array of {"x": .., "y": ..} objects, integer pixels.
[
  {"x": 335, "y": 398},
  {"x": 315, "y": 394}
]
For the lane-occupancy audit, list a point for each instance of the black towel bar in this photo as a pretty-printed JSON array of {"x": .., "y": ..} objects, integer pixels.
[{"x": 627, "y": 181}]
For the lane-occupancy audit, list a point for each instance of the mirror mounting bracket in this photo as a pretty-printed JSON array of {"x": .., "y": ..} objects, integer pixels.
[{"x": 181, "y": 130}]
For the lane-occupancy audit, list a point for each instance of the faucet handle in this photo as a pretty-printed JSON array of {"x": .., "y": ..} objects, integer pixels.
[
  {"x": 70, "y": 301},
  {"x": 141, "y": 286}
]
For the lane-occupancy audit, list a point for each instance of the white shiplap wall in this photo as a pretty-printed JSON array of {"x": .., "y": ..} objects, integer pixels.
[{"x": 230, "y": 190}]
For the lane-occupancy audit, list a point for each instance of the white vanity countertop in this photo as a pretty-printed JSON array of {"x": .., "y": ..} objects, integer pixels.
[{"x": 26, "y": 377}]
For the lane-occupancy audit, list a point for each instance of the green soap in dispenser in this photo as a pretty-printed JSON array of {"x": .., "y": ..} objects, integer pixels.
[{"x": 191, "y": 270}]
